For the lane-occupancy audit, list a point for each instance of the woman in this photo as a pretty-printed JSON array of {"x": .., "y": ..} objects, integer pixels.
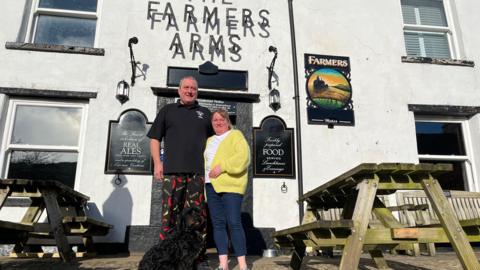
[{"x": 226, "y": 173}]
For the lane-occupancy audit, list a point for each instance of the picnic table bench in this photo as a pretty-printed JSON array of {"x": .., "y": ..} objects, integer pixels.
[
  {"x": 65, "y": 214},
  {"x": 357, "y": 192}
]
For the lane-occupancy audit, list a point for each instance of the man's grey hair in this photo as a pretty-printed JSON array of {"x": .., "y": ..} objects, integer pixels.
[{"x": 188, "y": 78}]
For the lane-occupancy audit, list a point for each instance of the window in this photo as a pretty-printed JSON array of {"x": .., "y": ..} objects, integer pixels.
[
  {"x": 64, "y": 22},
  {"x": 446, "y": 141},
  {"x": 42, "y": 140},
  {"x": 427, "y": 30}
]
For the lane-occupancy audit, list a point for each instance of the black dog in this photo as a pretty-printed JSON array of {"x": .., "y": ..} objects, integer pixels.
[{"x": 180, "y": 248}]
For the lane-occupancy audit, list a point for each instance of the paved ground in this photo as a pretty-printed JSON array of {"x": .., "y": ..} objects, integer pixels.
[{"x": 443, "y": 261}]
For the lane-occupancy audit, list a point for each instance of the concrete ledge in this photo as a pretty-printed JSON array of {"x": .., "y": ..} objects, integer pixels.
[
  {"x": 444, "y": 110},
  {"x": 140, "y": 238},
  {"x": 42, "y": 93},
  {"x": 54, "y": 48},
  {"x": 437, "y": 61}
]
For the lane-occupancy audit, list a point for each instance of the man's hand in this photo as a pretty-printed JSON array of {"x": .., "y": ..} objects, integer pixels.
[
  {"x": 157, "y": 163},
  {"x": 158, "y": 171},
  {"x": 215, "y": 172}
]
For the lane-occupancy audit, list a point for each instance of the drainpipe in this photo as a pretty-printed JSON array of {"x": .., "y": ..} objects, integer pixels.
[{"x": 298, "y": 130}]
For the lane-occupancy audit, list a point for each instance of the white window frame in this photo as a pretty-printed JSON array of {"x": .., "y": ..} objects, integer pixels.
[
  {"x": 448, "y": 30},
  {"x": 7, "y": 147},
  {"x": 37, "y": 11},
  {"x": 468, "y": 159}
]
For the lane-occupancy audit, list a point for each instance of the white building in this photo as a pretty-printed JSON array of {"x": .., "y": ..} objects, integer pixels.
[{"x": 412, "y": 67}]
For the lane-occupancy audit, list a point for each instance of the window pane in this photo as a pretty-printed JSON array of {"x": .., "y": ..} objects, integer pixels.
[
  {"x": 436, "y": 45},
  {"x": 81, "y": 5},
  {"x": 39, "y": 125},
  {"x": 412, "y": 44},
  {"x": 37, "y": 165},
  {"x": 65, "y": 31},
  {"x": 435, "y": 138},
  {"x": 455, "y": 180},
  {"x": 424, "y": 12},
  {"x": 427, "y": 45}
]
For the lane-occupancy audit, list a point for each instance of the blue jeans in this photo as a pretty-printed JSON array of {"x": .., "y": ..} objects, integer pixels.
[{"x": 225, "y": 208}]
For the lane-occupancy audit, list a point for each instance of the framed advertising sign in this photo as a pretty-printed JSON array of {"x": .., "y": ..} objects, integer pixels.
[
  {"x": 329, "y": 90},
  {"x": 128, "y": 148},
  {"x": 273, "y": 153}
]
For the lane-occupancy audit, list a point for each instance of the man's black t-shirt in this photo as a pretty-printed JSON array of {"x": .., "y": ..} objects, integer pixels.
[{"x": 184, "y": 130}]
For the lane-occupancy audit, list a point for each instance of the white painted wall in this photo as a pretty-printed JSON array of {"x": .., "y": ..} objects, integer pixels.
[{"x": 369, "y": 32}]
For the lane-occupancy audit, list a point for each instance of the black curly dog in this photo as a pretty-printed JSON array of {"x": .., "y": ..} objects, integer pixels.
[{"x": 180, "y": 248}]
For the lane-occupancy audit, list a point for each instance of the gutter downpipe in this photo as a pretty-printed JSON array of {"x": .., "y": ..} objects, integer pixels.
[{"x": 298, "y": 132}]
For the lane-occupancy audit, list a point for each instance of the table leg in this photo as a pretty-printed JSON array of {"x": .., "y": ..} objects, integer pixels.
[
  {"x": 361, "y": 216},
  {"x": 56, "y": 225},
  {"x": 4, "y": 192},
  {"x": 34, "y": 211},
  {"x": 32, "y": 215},
  {"x": 450, "y": 224},
  {"x": 297, "y": 256},
  {"x": 379, "y": 260}
]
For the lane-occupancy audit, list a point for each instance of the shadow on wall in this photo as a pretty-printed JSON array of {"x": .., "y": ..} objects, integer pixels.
[
  {"x": 255, "y": 239},
  {"x": 117, "y": 209}
]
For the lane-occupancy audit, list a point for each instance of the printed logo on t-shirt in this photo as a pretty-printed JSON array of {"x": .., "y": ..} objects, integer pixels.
[{"x": 200, "y": 114}]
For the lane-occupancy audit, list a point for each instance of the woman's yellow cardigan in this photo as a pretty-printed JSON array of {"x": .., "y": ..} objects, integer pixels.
[{"x": 233, "y": 155}]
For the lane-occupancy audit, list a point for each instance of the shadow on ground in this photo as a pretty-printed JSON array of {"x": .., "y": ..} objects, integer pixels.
[{"x": 312, "y": 263}]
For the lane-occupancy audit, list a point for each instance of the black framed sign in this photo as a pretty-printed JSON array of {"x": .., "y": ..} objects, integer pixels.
[
  {"x": 273, "y": 153},
  {"x": 128, "y": 148},
  {"x": 329, "y": 90}
]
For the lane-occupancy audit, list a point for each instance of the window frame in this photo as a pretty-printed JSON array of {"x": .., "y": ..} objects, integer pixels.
[
  {"x": 7, "y": 147},
  {"x": 37, "y": 11},
  {"x": 448, "y": 30},
  {"x": 467, "y": 159}
]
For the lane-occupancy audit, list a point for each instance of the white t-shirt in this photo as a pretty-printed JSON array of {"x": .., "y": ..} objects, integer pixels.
[{"x": 211, "y": 150}]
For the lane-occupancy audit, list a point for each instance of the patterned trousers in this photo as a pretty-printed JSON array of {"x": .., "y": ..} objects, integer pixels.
[{"x": 179, "y": 192}]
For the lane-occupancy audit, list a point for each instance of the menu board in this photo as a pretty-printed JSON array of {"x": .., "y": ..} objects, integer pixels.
[
  {"x": 128, "y": 150},
  {"x": 273, "y": 153}
]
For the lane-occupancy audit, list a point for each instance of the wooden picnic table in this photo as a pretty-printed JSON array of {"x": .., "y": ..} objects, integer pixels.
[
  {"x": 357, "y": 192},
  {"x": 65, "y": 213}
]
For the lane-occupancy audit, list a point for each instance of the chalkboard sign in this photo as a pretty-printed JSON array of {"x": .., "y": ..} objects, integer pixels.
[
  {"x": 273, "y": 155},
  {"x": 128, "y": 149}
]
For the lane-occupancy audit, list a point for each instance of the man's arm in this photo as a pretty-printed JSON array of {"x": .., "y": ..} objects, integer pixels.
[{"x": 157, "y": 163}]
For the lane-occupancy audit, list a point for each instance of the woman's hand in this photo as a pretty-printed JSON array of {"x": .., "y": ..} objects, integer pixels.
[{"x": 215, "y": 172}]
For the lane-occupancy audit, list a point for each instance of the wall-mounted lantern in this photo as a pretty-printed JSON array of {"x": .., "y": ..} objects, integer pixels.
[
  {"x": 123, "y": 91},
  {"x": 274, "y": 99}
]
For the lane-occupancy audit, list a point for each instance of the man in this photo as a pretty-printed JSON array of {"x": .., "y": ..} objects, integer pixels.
[{"x": 184, "y": 127}]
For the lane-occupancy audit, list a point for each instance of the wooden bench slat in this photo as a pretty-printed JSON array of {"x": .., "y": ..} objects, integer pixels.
[
  {"x": 361, "y": 169},
  {"x": 15, "y": 226},
  {"x": 321, "y": 224},
  {"x": 85, "y": 219}
]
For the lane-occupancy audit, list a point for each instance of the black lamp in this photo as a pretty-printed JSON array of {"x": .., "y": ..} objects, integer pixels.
[
  {"x": 274, "y": 94},
  {"x": 123, "y": 91},
  {"x": 274, "y": 99}
]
